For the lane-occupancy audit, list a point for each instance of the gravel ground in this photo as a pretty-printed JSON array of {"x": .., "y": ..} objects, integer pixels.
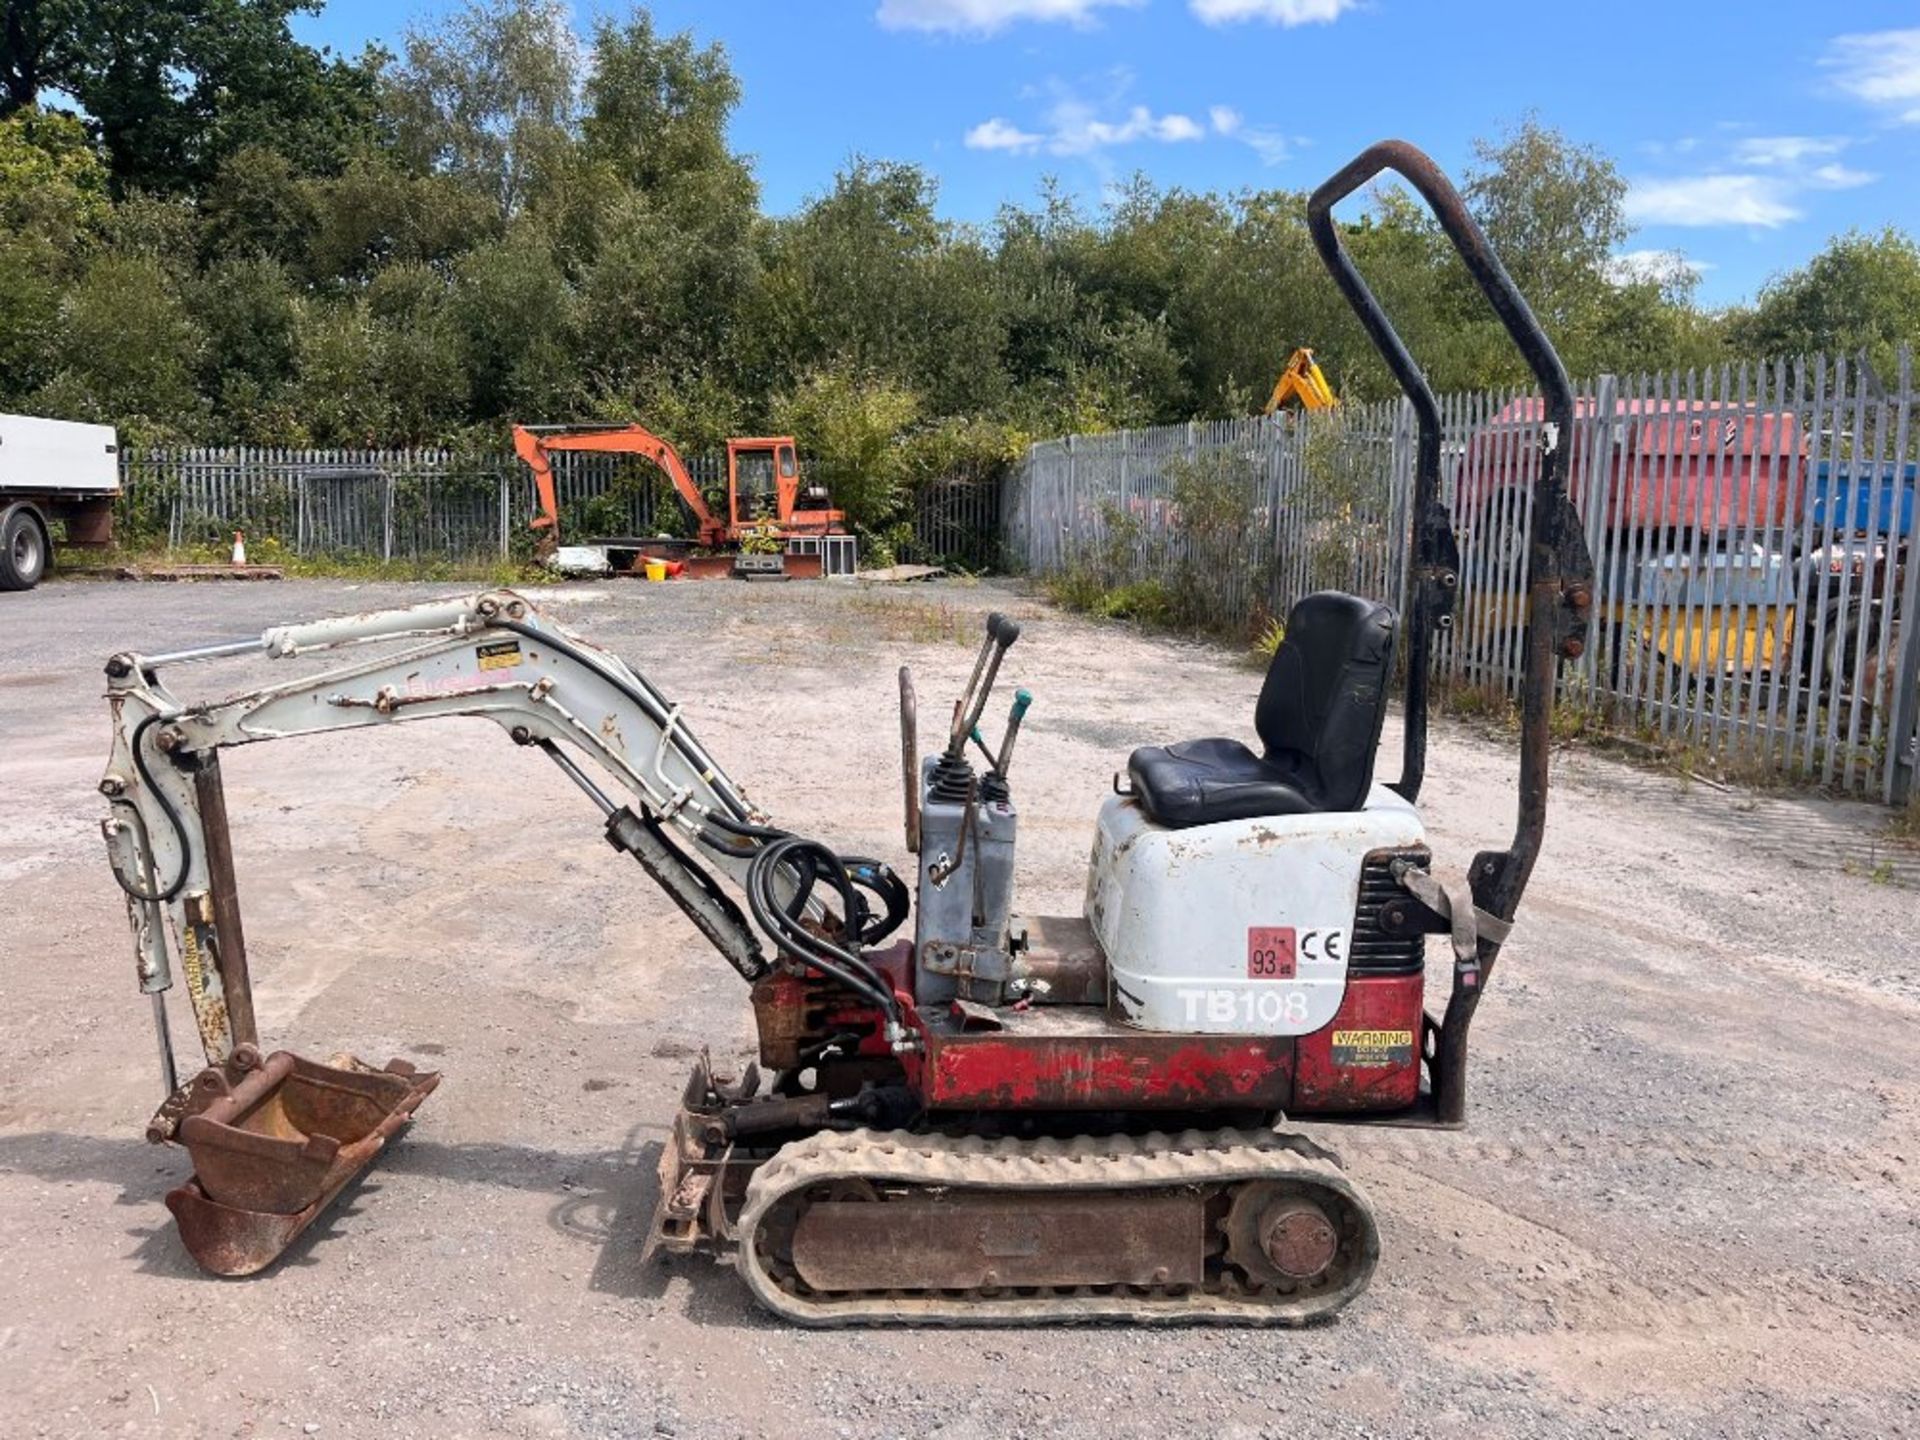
[{"x": 1686, "y": 1206}]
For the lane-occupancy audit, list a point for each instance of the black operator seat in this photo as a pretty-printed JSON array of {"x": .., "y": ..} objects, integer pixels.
[{"x": 1319, "y": 719}]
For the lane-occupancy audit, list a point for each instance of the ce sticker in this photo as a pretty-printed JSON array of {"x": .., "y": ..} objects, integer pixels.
[{"x": 1322, "y": 944}]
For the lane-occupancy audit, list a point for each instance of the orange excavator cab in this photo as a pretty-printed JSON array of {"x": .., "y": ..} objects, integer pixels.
[{"x": 764, "y": 487}]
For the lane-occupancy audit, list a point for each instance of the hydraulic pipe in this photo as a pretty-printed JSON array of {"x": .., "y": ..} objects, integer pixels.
[
  {"x": 573, "y": 772},
  {"x": 213, "y": 651}
]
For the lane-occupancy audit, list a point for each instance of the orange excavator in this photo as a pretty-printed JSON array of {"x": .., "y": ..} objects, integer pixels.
[{"x": 765, "y": 496}]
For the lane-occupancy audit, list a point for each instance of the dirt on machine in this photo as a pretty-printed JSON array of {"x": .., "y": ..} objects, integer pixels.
[{"x": 960, "y": 1111}]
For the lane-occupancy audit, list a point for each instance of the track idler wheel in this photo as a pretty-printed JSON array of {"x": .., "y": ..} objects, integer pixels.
[{"x": 1280, "y": 1236}]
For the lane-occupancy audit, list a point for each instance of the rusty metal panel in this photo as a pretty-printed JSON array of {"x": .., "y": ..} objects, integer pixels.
[
  {"x": 230, "y": 949},
  {"x": 1061, "y": 963},
  {"x": 1050, "y": 1059},
  {"x": 967, "y": 1241},
  {"x": 273, "y": 1142}
]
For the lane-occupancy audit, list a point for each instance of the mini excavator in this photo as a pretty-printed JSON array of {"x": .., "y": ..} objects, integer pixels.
[{"x": 989, "y": 1116}]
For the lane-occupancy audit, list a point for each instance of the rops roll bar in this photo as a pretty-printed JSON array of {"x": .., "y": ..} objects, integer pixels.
[{"x": 1559, "y": 570}]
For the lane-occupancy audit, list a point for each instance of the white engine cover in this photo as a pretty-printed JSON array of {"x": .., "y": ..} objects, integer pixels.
[{"x": 1239, "y": 928}]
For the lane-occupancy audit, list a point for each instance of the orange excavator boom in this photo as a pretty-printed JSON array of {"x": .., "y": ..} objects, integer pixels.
[{"x": 534, "y": 443}]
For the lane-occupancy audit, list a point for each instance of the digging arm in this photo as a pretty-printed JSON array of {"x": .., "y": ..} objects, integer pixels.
[{"x": 492, "y": 656}]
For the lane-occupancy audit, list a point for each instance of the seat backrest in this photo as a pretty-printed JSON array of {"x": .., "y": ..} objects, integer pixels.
[{"x": 1325, "y": 695}]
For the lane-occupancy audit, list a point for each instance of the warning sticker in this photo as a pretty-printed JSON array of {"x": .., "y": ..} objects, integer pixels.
[
  {"x": 1372, "y": 1049},
  {"x": 498, "y": 654},
  {"x": 1270, "y": 952}
]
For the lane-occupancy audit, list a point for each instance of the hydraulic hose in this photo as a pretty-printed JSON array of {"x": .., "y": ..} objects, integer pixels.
[
  {"x": 156, "y": 897},
  {"x": 790, "y": 934}
]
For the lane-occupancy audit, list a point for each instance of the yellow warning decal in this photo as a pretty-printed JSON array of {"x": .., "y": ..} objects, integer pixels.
[
  {"x": 498, "y": 654},
  {"x": 1369, "y": 1049}
]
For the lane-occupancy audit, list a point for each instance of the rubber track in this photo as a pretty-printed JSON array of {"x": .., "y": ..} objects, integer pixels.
[{"x": 1085, "y": 1163}]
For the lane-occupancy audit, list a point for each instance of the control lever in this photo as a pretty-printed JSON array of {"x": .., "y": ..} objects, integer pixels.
[
  {"x": 956, "y": 738},
  {"x": 909, "y": 757},
  {"x": 1001, "y": 633},
  {"x": 1021, "y": 700}
]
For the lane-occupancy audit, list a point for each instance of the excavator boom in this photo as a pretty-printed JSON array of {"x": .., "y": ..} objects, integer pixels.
[
  {"x": 535, "y": 443},
  {"x": 1301, "y": 379}
]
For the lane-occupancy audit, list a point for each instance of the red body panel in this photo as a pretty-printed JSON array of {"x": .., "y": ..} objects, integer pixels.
[
  {"x": 1113, "y": 1068},
  {"x": 1369, "y": 1057}
]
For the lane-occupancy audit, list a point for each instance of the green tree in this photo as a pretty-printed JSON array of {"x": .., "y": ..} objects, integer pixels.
[
  {"x": 657, "y": 109},
  {"x": 249, "y": 315},
  {"x": 488, "y": 96},
  {"x": 52, "y": 182},
  {"x": 128, "y": 348},
  {"x": 1555, "y": 213},
  {"x": 851, "y": 423},
  {"x": 1861, "y": 293},
  {"x": 336, "y": 389},
  {"x": 258, "y": 204},
  {"x": 418, "y": 359},
  {"x": 171, "y": 88},
  {"x": 515, "y": 313},
  {"x": 377, "y": 213}
]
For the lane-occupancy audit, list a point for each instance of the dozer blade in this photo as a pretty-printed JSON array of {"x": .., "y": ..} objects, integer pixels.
[{"x": 273, "y": 1142}]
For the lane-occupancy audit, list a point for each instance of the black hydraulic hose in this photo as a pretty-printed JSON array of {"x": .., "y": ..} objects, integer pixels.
[
  {"x": 157, "y": 897},
  {"x": 843, "y": 965},
  {"x": 878, "y": 877},
  {"x": 746, "y": 829}
]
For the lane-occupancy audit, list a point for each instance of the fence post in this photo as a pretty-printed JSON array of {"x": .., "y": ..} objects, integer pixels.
[
  {"x": 505, "y": 480},
  {"x": 1903, "y": 732},
  {"x": 1597, "y": 495},
  {"x": 386, "y": 520}
]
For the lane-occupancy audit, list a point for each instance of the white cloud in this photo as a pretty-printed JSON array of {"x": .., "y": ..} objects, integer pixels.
[
  {"x": 998, "y": 134},
  {"x": 1777, "y": 150},
  {"x": 1881, "y": 68},
  {"x": 1075, "y": 128},
  {"x": 985, "y": 17},
  {"x": 1839, "y": 177},
  {"x": 1759, "y": 200},
  {"x": 1660, "y": 266},
  {"x": 1275, "y": 12}
]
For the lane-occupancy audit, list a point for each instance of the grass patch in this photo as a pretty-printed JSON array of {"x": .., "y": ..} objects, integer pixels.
[{"x": 910, "y": 622}]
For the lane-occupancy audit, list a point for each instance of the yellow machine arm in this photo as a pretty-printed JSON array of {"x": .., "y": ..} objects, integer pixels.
[{"x": 1301, "y": 380}]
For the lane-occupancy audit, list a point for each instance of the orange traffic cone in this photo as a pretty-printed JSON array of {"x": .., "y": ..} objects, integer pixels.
[{"x": 239, "y": 548}]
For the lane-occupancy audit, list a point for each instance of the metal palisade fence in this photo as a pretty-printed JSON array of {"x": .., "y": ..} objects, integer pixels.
[
  {"x": 384, "y": 504},
  {"x": 440, "y": 505},
  {"x": 1751, "y": 529}
]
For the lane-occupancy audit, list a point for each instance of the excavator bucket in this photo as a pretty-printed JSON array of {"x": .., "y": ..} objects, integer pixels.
[{"x": 273, "y": 1142}]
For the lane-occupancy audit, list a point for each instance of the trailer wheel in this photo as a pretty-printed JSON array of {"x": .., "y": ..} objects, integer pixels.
[{"x": 23, "y": 550}]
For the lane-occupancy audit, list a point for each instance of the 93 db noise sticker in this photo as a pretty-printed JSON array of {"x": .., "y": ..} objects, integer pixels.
[
  {"x": 1270, "y": 952},
  {"x": 1372, "y": 1049},
  {"x": 498, "y": 654}
]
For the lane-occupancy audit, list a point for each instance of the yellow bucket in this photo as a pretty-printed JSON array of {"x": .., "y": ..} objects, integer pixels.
[{"x": 656, "y": 569}]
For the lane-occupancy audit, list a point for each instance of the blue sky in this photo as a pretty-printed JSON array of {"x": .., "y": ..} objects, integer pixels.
[{"x": 1750, "y": 133}]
